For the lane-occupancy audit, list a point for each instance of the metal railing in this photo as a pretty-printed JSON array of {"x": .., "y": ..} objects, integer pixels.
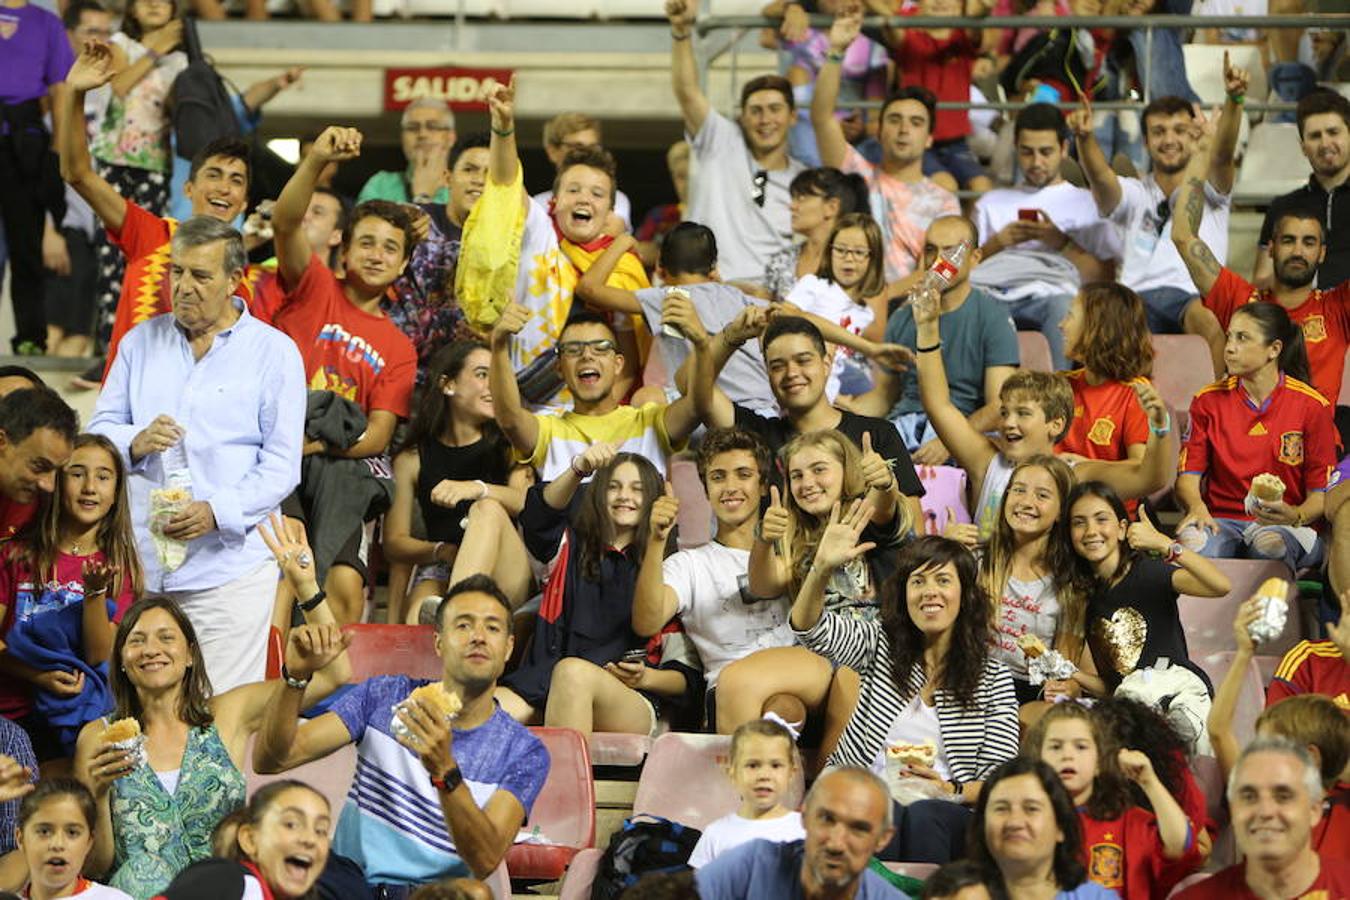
[{"x": 708, "y": 24}]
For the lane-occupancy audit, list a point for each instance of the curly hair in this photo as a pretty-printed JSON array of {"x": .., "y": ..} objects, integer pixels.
[
  {"x": 1114, "y": 341},
  {"x": 1110, "y": 789},
  {"x": 1057, "y": 557},
  {"x": 963, "y": 666},
  {"x": 393, "y": 213},
  {"x": 1141, "y": 727},
  {"x": 727, "y": 440}
]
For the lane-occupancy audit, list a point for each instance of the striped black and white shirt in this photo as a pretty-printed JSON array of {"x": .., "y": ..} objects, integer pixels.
[{"x": 976, "y": 738}]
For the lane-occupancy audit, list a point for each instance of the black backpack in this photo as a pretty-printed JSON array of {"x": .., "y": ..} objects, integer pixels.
[
  {"x": 200, "y": 104},
  {"x": 644, "y": 845}
]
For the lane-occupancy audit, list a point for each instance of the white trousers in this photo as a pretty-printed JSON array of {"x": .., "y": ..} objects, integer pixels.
[{"x": 232, "y": 623}]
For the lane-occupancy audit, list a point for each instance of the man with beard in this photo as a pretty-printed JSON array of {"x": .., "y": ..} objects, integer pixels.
[
  {"x": 1149, "y": 263},
  {"x": 1042, "y": 239},
  {"x": 1324, "y": 130},
  {"x": 847, "y": 817},
  {"x": 1297, "y": 247},
  {"x": 743, "y": 170},
  {"x": 904, "y": 200}
]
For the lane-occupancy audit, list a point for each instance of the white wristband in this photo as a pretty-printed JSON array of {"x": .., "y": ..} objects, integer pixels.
[{"x": 482, "y": 488}]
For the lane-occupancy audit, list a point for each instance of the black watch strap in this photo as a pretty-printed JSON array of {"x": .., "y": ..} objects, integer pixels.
[
  {"x": 450, "y": 781},
  {"x": 308, "y": 605}
]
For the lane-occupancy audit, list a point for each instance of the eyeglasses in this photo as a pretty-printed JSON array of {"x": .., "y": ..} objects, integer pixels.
[
  {"x": 757, "y": 187},
  {"x": 1163, "y": 213},
  {"x": 419, "y": 127},
  {"x": 574, "y": 349},
  {"x": 859, "y": 253}
]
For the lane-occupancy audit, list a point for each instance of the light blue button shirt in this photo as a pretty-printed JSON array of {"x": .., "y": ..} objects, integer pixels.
[{"x": 242, "y": 407}]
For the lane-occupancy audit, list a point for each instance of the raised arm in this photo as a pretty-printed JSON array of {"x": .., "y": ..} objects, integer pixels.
[
  {"x": 1228, "y": 691},
  {"x": 682, "y": 417},
  {"x": 1198, "y": 576},
  {"x": 713, "y": 406},
  {"x": 694, "y": 106},
  {"x": 838, "y": 545},
  {"x": 1223, "y": 164},
  {"x": 1129, "y": 478},
  {"x": 1190, "y": 209},
  {"x": 160, "y": 42},
  {"x": 971, "y": 449},
  {"x": 334, "y": 144},
  {"x": 770, "y": 569},
  {"x": 93, "y": 68},
  {"x": 518, "y": 423},
  {"x": 1173, "y": 828},
  {"x": 1101, "y": 178},
  {"x": 503, "y": 158},
  {"x": 559, "y": 492},
  {"x": 829, "y": 133},
  {"x": 654, "y": 601},
  {"x": 592, "y": 288}
]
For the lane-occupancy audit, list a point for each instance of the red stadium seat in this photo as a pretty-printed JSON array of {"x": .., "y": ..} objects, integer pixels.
[
  {"x": 330, "y": 776},
  {"x": 618, "y": 749},
  {"x": 918, "y": 871},
  {"x": 393, "y": 650},
  {"x": 695, "y": 515},
  {"x": 678, "y": 761},
  {"x": 1034, "y": 351},
  {"x": 564, "y": 812},
  {"x": 1182, "y": 365},
  {"x": 576, "y": 884},
  {"x": 276, "y": 653},
  {"x": 1209, "y": 621}
]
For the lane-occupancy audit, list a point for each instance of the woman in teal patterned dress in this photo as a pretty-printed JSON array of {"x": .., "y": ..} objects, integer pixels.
[{"x": 156, "y": 816}]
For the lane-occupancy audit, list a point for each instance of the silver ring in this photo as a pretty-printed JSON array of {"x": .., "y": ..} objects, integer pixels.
[
  {"x": 304, "y": 559},
  {"x": 286, "y": 557}
]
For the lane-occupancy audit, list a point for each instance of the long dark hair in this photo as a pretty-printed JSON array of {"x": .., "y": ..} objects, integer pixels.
[
  {"x": 115, "y": 540},
  {"x": 963, "y": 666},
  {"x": 1110, "y": 789},
  {"x": 1141, "y": 727},
  {"x": 432, "y": 416},
  {"x": 194, "y": 703},
  {"x": 1275, "y": 325},
  {"x": 1084, "y": 575},
  {"x": 131, "y": 26},
  {"x": 1067, "y": 865},
  {"x": 592, "y": 525}
]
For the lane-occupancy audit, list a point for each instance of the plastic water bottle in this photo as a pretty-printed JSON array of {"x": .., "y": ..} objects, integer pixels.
[
  {"x": 175, "y": 462},
  {"x": 944, "y": 269},
  {"x": 667, "y": 329}
]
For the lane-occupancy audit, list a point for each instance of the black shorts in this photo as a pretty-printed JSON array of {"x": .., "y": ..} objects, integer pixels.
[{"x": 354, "y": 551}]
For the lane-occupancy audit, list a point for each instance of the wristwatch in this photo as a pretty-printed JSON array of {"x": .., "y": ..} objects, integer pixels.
[
  {"x": 308, "y": 605},
  {"x": 450, "y": 781},
  {"x": 291, "y": 681}
]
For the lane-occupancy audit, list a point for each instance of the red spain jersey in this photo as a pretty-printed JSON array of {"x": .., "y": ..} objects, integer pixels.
[
  {"x": 1232, "y": 440},
  {"x": 1125, "y": 854},
  {"x": 1312, "y": 667},
  {"x": 1332, "y": 883},
  {"x": 1107, "y": 419},
  {"x": 1324, "y": 318},
  {"x": 146, "y": 290}
]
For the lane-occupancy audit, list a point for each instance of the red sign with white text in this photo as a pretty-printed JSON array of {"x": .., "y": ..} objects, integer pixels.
[{"x": 463, "y": 89}]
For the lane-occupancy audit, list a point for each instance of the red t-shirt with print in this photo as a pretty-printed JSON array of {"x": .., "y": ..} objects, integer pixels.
[
  {"x": 1107, "y": 419},
  {"x": 1324, "y": 318},
  {"x": 943, "y": 65},
  {"x": 1125, "y": 854},
  {"x": 355, "y": 354},
  {"x": 1312, "y": 667}
]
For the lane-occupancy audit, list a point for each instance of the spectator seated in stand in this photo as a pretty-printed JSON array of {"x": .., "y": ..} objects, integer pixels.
[
  {"x": 570, "y": 132},
  {"x": 454, "y": 473},
  {"x": 819, "y": 197},
  {"x": 462, "y": 793},
  {"x": 427, "y": 129}
]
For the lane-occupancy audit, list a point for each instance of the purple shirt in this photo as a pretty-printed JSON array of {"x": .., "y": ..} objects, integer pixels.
[
  {"x": 36, "y": 53},
  {"x": 1340, "y": 474}
]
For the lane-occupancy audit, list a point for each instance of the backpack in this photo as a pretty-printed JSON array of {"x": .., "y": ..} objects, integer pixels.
[
  {"x": 201, "y": 107},
  {"x": 645, "y": 844}
]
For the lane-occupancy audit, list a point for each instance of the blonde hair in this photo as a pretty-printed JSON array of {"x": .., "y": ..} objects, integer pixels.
[
  {"x": 1312, "y": 719},
  {"x": 560, "y": 126}
]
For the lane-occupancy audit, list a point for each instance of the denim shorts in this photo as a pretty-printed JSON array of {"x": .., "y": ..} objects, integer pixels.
[
  {"x": 1166, "y": 308},
  {"x": 954, "y": 157}
]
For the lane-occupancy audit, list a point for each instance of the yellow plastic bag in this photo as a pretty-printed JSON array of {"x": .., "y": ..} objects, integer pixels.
[{"x": 489, "y": 252}]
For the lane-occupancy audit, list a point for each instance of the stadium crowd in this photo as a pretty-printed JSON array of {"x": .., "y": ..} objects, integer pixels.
[{"x": 964, "y": 524}]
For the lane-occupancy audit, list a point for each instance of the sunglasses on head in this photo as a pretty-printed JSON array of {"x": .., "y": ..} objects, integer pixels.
[
  {"x": 757, "y": 187},
  {"x": 1163, "y": 213}
]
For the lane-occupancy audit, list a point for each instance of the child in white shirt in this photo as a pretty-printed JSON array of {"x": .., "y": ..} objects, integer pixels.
[
  {"x": 56, "y": 834},
  {"x": 763, "y": 762}
]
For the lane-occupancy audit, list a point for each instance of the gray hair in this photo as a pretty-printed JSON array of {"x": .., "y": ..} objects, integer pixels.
[
  {"x": 858, "y": 775},
  {"x": 1312, "y": 776},
  {"x": 200, "y": 230},
  {"x": 428, "y": 103}
]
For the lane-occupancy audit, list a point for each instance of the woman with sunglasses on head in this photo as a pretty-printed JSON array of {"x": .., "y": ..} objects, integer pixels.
[{"x": 819, "y": 197}]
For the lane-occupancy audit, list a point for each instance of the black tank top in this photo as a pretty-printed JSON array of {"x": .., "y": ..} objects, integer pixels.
[{"x": 484, "y": 460}]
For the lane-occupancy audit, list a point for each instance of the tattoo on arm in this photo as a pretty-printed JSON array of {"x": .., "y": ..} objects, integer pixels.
[
  {"x": 1202, "y": 259},
  {"x": 1195, "y": 204}
]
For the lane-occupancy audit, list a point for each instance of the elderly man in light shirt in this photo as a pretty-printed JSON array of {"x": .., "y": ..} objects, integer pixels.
[{"x": 210, "y": 385}]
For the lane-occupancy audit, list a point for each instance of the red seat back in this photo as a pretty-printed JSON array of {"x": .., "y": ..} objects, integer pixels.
[
  {"x": 576, "y": 884},
  {"x": 1182, "y": 365},
  {"x": 564, "y": 811},
  {"x": 1209, "y": 620},
  {"x": 1251, "y": 701},
  {"x": 378, "y": 649}
]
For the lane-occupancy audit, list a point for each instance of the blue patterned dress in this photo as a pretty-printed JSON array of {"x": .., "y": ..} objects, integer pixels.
[{"x": 156, "y": 835}]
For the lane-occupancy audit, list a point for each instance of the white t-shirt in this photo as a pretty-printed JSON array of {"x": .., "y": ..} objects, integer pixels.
[
  {"x": 916, "y": 724},
  {"x": 851, "y": 372},
  {"x": 1021, "y": 269},
  {"x": 732, "y": 830},
  {"x": 1027, "y": 607},
  {"x": 712, "y": 584},
  {"x": 721, "y": 196},
  {"x": 95, "y": 891},
  {"x": 1150, "y": 258},
  {"x": 623, "y": 207}
]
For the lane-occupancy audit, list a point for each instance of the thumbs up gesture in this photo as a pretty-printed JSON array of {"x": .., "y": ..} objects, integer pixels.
[
  {"x": 773, "y": 526},
  {"x": 876, "y": 471},
  {"x": 1145, "y": 537},
  {"x": 665, "y": 510}
]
